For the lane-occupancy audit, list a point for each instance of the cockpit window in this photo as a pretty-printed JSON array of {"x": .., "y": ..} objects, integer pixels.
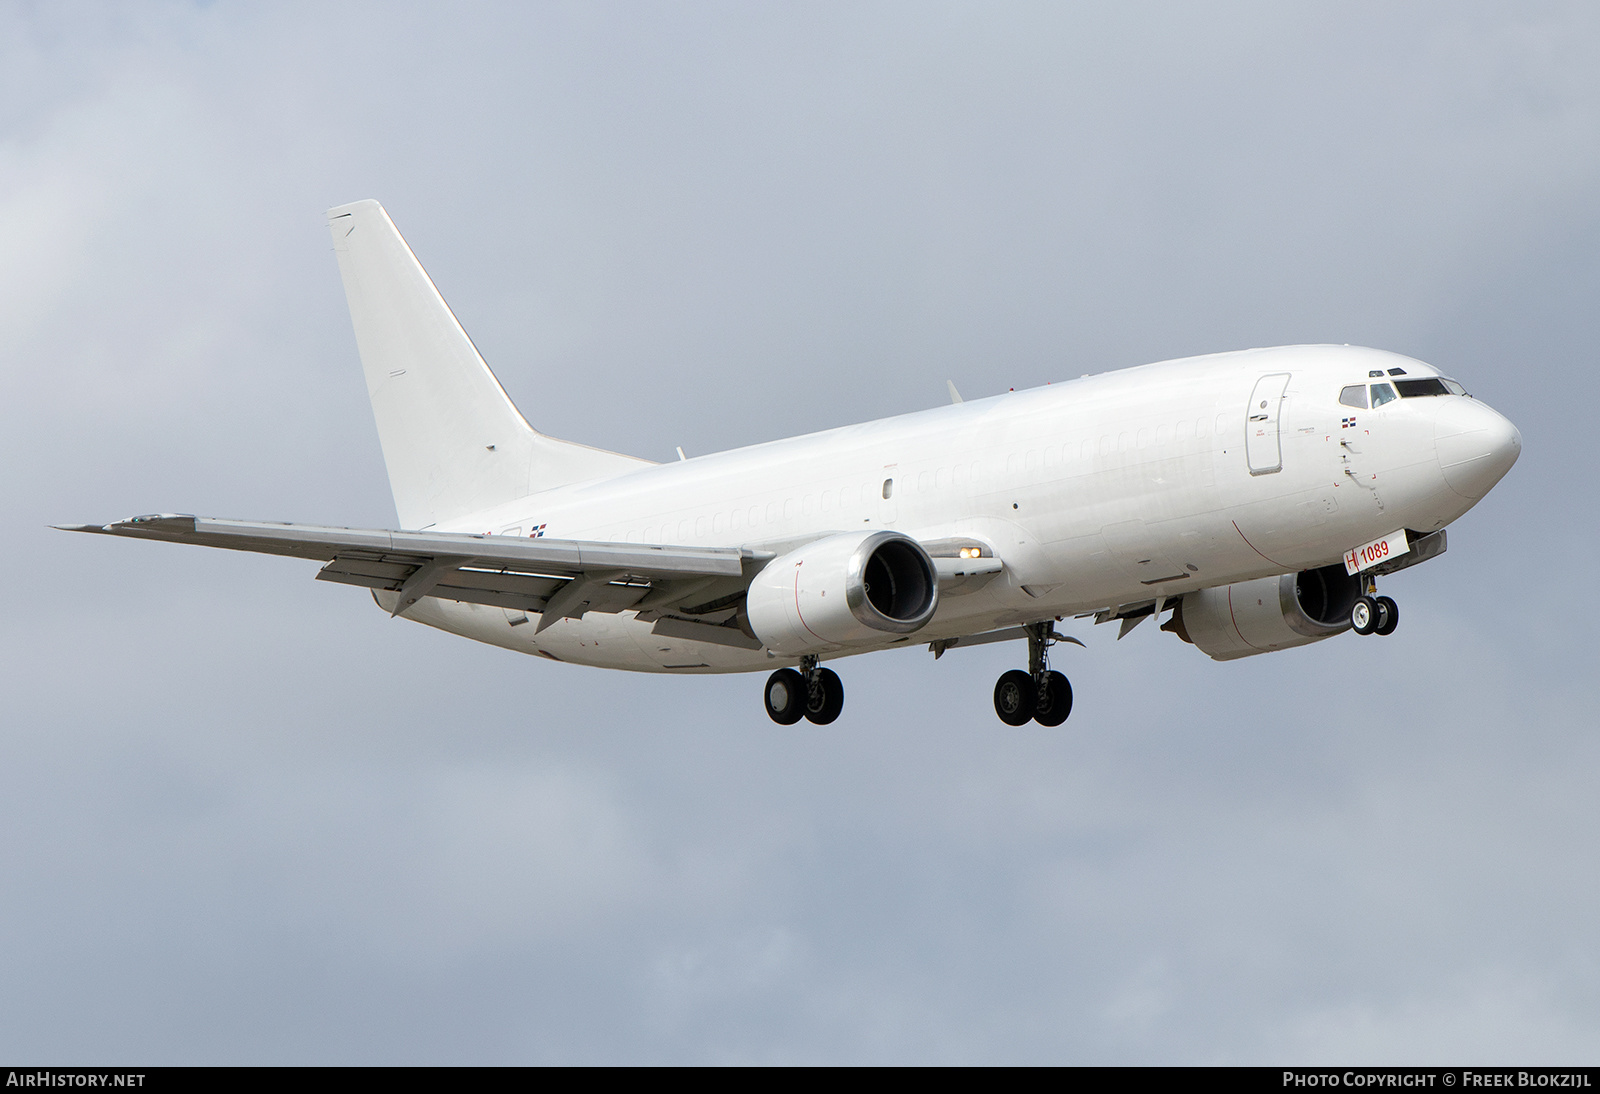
[
  {"x": 1355, "y": 395},
  {"x": 1382, "y": 393},
  {"x": 1410, "y": 389},
  {"x": 1455, "y": 388}
]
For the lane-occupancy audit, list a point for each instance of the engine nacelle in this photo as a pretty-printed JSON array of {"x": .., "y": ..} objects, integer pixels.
[
  {"x": 843, "y": 590},
  {"x": 1270, "y": 613}
]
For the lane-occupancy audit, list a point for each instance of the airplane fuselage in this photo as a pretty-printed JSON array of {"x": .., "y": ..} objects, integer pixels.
[{"x": 1096, "y": 493}]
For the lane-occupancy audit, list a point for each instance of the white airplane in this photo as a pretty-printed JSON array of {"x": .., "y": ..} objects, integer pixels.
[{"x": 1257, "y": 495}]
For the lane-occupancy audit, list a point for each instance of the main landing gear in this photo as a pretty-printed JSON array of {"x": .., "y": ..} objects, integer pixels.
[
  {"x": 1040, "y": 694},
  {"x": 814, "y": 693},
  {"x": 1374, "y": 614}
]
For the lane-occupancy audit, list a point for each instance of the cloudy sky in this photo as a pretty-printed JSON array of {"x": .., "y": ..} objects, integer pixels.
[{"x": 245, "y": 817}]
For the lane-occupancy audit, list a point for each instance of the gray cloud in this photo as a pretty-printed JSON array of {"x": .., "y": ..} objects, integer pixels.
[{"x": 250, "y": 819}]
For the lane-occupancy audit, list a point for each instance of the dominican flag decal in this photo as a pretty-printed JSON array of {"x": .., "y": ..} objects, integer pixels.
[
  {"x": 538, "y": 530},
  {"x": 1347, "y": 423}
]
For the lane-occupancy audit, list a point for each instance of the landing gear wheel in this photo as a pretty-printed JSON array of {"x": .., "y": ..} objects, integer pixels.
[
  {"x": 1364, "y": 615},
  {"x": 1014, "y": 697},
  {"x": 825, "y": 706},
  {"x": 785, "y": 697},
  {"x": 1053, "y": 702},
  {"x": 1388, "y": 616}
]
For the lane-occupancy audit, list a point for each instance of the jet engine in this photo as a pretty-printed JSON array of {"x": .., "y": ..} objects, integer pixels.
[
  {"x": 843, "y": 590},
  {"x": 1270, "y": 613}
]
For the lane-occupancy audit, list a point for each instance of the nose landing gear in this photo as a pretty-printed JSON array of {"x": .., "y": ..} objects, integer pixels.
[
  {"x": 1374, "y": 614},
  {"x": 1040, "y": 694},
  {"x": 813, "y": 693}
]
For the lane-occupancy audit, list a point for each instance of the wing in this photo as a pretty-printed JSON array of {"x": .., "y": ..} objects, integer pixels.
[{"x": 553, "y": 577}]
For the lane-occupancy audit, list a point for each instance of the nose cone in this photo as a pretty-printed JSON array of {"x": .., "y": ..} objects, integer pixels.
[{"x": 1477, "y": 445}]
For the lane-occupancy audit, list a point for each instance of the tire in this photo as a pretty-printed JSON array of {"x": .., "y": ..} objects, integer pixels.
[
  {"x": 785, "y": 697},
  {"x": 1388, "y": 616},
  {"x": 1014, "y": 697},
  {"x": 832, "y": 699},
  {"x": 1057, "y": 702},
  {"x": 1364, "y": 615}
]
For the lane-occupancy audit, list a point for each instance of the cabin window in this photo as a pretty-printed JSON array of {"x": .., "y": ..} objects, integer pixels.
[
  {"x": 1355, "y": 395},
  {"x": 1382, "y": 393},
  {"x": 888, "y": 489}
]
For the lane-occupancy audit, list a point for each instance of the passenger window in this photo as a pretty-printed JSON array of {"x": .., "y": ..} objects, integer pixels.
[
  {"x": 888, "y": 489},
  {"x": 1382, "y": 393},
  {"x": 1355, "y": 395}
]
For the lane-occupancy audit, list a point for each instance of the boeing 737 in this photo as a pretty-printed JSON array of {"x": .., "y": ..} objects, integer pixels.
[{"x": 1253, "y": 497}]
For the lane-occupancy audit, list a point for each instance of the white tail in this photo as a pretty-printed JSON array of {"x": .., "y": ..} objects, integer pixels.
[{"x": 452, "y": 440}]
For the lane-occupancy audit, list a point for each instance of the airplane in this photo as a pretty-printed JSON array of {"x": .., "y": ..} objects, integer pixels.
[{"x": 1255, "y": 495}]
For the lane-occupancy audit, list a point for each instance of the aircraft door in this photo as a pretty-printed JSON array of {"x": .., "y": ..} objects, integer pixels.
[{"x": 1262, "y": 449}]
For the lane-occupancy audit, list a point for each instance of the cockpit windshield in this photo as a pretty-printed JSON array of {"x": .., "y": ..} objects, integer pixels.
[
  {"x": 1411, "y": 389},
  {"x": 1356, "y": 394}
]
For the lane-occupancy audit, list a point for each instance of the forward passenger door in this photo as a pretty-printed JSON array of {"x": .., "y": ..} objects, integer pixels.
[{"x": 1262, "y": 448}]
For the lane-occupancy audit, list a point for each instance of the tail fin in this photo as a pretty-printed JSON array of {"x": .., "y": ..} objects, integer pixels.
[{"x": 452, "y": 439}]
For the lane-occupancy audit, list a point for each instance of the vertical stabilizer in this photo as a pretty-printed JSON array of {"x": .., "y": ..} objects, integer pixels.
[{"x": 452, "y": 440}]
